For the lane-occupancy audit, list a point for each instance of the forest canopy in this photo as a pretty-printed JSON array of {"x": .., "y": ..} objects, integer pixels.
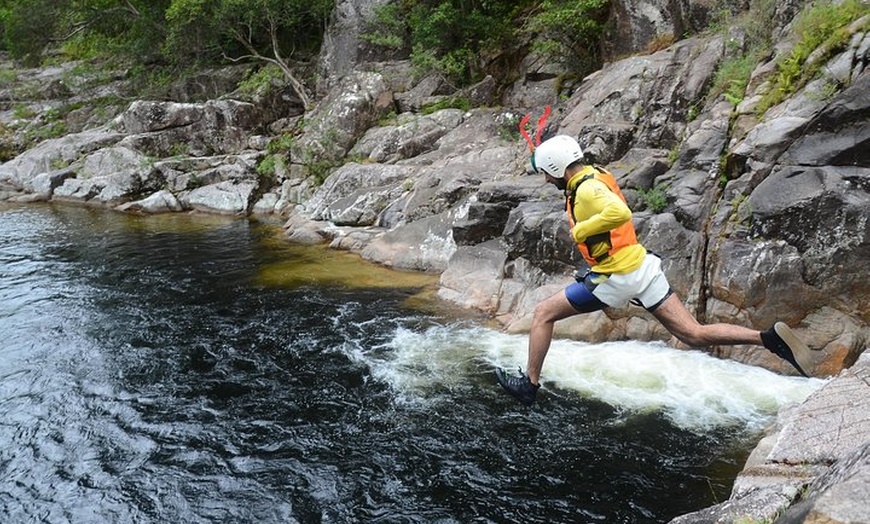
[
  {"x": 161, "y": 30},
  {"x": 457, "y": 38}
]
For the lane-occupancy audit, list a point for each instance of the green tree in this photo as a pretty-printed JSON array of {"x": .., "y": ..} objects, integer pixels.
[
  {"x": 461, "y": 39},
  {"x": 571, "y": 31},
  {"x": 127, "y": 27},
  {"x": 29, "y": 25},
  {"x": 271, "y": 31},
  {"x": 5, "y": 11},
  {"x": 457, "y": 38},
  {"x": 106, "y": 27}
]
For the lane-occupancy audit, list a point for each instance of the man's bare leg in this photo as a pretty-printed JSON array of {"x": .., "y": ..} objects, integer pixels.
[
  {"x": 780, "y": 339},
  {"x": 682, "y": 324},
  {"x": 547, "y": 312}
]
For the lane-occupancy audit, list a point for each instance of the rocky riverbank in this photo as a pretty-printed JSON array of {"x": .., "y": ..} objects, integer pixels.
[
  {"x": 759, "y": 215},
  {"x": 813, "y": 466}
]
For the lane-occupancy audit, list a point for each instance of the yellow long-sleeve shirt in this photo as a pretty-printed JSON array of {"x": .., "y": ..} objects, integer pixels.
[{"x": 599, "y": 210}]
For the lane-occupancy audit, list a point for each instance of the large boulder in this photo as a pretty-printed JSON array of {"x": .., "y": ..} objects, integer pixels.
[
  {"x": 356, "y": 194},
  {"x": 110, "y": 176},
  {"x": 642, "y": 101},
  {"x": 229, "y": 197},
  {"x": 51, "y": 155},
  {"x": 487, "y": 211},
  {"x": 165, "y": 129},
  {"x": 332, "y": 128},
  {"x": 345, "y": 48},
  {"x": 423, "y": 245},
  {"x": 814, "y": 466},
  {"x": 474, "y": 276},
  {"x": 409, "y": 137},
  {"x": 798, "y": 206}
]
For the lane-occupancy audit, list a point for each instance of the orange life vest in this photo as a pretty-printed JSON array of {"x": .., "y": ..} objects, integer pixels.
[{"x": 617, "y": 238}]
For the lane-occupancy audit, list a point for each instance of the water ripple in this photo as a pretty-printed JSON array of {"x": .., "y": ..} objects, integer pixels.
[{"x": 150, "y": 373}]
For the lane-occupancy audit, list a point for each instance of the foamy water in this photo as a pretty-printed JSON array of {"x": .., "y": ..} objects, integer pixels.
[{"x": 694, "y": 390}]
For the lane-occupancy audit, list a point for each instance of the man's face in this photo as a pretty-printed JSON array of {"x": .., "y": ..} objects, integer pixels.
[{"x": 560, "y": 183}]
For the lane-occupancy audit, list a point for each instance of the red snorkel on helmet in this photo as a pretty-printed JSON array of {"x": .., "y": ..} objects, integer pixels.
[{"x": 554, "y": 154}]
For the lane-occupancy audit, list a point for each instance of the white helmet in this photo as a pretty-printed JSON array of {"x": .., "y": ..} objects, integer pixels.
[{"x": 555, "y": 154}]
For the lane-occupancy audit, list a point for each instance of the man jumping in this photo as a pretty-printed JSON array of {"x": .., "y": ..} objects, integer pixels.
[{"x": 621, "y": 271}]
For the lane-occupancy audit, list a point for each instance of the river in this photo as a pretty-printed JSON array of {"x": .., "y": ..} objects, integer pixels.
[{"x": 196, "y": 369}]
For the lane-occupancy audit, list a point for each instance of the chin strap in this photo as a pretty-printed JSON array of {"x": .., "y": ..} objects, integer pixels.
[{"x": 542, "y": 121}]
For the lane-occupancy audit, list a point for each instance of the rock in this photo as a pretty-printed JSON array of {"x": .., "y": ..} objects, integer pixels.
[
  {"x": 228, "y": 197},
  {"x": 824, "y": 212},
  {"x": 613, "y": 104},
  {"x": 762, "y": 501},
  {"x": 478, "y": 222},
  {"x": 160, "y": 202},
  {"x": 148, "y": 117},
  {"x": 344, "y": 49},
  {"x": 110, "y": 176},
  {"x": 540, "y": 82},
  {"x": 831, "y": 424},
  {"x": 639, "y": 168},
  {"x": 768, "y": 140},
  {"x": 359, "y": 101},
  {"x": 207, "y": 84},
  {"x": 301, "y": 230},
  {"x": 636, "y": 24},
  {"x": 448, "y": 182},
  {"x": 839, "y": 135},
  {"x": 473, "y": 276},
  {"x": 164, "y": 129},
  {"x": 267, "y": 204},
  {"x": 692, "y": 193},
  {"x": 843, "y": 493},
  {"x": 707, "y": 138},
  {"x": 411, "y": 137},
  {"x": 42, "y": 186},
  {"x": 818, "y": 456},
  {"x": 48, "y": 155},
  {"x": 838, "y": 337},
  {"x": 345, "y": 194},
  {"x": 538, "y": 231},
  {"x": 422, "y": 245},
  {"x": 415, "y": 98},
  {"x": 679, "y": 248},
  {"x": 482, "y": 93}
]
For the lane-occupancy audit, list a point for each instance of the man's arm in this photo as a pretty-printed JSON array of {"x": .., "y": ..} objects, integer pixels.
[{"x": 598, "y": 210}]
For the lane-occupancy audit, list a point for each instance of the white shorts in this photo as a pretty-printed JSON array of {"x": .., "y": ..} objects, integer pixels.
[{"x": 646, "y": 286}]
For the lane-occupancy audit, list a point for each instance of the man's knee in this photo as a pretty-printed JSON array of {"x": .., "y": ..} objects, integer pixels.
[
  {"x": 677, "y": 319},
  {"x": 552, "y": 309},
  {"x": 543, "y": 312}
]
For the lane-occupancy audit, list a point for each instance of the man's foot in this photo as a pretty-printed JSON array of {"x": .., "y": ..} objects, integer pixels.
[
  {"x": 521, "y": 388},
  {"x": 782, "y": 341}
]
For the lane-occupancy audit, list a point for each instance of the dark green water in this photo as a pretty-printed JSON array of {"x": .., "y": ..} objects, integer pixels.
[{"x": 160, "y": 370}]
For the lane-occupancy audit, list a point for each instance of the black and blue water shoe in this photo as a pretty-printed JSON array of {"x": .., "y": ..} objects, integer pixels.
[{"x": 521, "y": 388}]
